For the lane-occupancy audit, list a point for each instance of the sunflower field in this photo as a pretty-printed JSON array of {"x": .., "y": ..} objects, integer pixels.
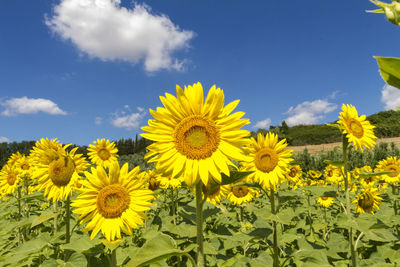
[{"x": 206, "y": 193}]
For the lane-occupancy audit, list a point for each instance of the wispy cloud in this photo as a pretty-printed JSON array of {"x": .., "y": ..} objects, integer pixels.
[
  {"x": 264, "y": 124},
  {"x": 127, "y": 119},
  {"x": 25, "y": 105},
  {"x": 309, "y": 112},
  {"x": 98, "y": 120},
  {"x": 4, "y": 139},
  {"x": 390, "y": 97},
  {"x": 104, "y": 29}
]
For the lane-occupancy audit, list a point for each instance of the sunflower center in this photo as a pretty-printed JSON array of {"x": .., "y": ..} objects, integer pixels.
[
  {"x": 394, "y": 170},
  {"x": 266, "y": 159},
  {"x": 11, "y": 178},
  {"x": 240, "y": 191},
  {"x": 356, "y": 128},
  {"x": 366, "y": 202},
  {"x": 292, "y": 172},
  {"x": 330, "y": 173},
  {"x": 324, "y": 198},
  {"x": 112, "y": 201},
  {"x": 61, "y": 170},
  {"x": 25, "y": 166},
  {"x": 196, "y": 137},
  {"x": 104, "y": 154},
  {"x": 154, "y": 184}
]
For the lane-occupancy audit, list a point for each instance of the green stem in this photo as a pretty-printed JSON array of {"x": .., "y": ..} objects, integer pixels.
[
  {"x": 19, "y": 216},
  {"x": 241, "y": 214},
  {"x": 55, "y": 204},
  {"x": 394, "y": 200},
  {"x": 275, "y": 240},
  {"x": 114, "y": 258},
  {"x": 348, "y": 211},
  {"x": 309, "y": 214},
  {"x": 199, "y": 224},
  {"x": 326, "y": 221},
  {"x": 67, "y": 221}
]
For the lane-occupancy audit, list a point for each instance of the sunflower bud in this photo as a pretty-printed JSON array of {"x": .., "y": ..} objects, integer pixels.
[{"x": 392, "y": 11}]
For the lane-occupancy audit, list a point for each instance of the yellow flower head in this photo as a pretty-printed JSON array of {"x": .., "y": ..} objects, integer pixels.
[
  {"x": 269, "y": 160},
  {"x": 368, "y": 200},
  {"x": 241, "y": 194},
  {"x": 9, "y": 179},
  {"x": 196, "y": 138},
  {"x": 365, "y": 181},
  {"x": 24, "y": 165},
  {"x": 112, "y": 201},
  {"x": 332, "y": 174},
  {"x": 153, "y": 180},
  {"x": 325, "y": 201},
  {"x": 56, "y": 171},
  {"x": 389, "y": 164},
  {"x": 314, "y": 174},
  {"x": 357, "y": 129},
  {"x": 169, "y": 182},
  {"x": 215, "y": 192},
  {"x": 294, "y": 173},
  {"x": 103, "y": 152}
]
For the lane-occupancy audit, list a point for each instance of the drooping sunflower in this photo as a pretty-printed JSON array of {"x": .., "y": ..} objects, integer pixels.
[
  {"x": 215, "y": 193},
  {"x": 357, "y": 129},
  {"x": 196, "y": 138},
  {"x": 294, "y": 174},
  {"x": 368, "y": 200},
  {"x": 269, "y": 160},
  {"x": 103, "y": 153},
  {"x": 390, "y": 164},
  {"x": 325, "y": 201},
  {"x": 9, "y": 179},
  {"x": 112, "y": 201},
  {"x": 56, "y": 170}
]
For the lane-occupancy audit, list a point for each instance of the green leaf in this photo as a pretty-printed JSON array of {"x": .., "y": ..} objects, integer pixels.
[
  {"x": 159, "y": 248},
  {"x": 338, "y": 164},
  {"x": 389, "y": 68},
  {"x": 234, "y": 177},
  {"x": 370, "y": 174},
  {"x": 81, "y": 243},
  {"x": 381, "y": 235},
  {"x": 42, "y": 218}
]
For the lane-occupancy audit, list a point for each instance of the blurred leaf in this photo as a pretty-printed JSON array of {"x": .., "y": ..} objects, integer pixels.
[
  {"x": 370, "y": 174},
  {"x": 338, "y": 164},
  {"x": 44, "y": 217},
  {"x": 389, "y": 68},
  {"x": 234, "y": 177}
]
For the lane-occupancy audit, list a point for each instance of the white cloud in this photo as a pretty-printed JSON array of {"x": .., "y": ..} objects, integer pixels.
[
  {"x": 264, "y": 124},
  {"x": 98, "y": 120},
  {"x": 128, "y": 120},
  {"x": 104, "y": 29},
  {"x": 26, "y": 105},
  {"x": 4, "y": 139},
  {"x": 309, "y": 112},
  {"x": 390, "y": 97}
]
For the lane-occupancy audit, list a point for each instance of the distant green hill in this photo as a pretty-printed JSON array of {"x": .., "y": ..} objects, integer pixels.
[{"x": 387, "y": 124}]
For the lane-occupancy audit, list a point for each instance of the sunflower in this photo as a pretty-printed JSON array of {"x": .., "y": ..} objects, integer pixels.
[
  {"x": 368, "y": 200},
  {"x": 24, "y": 165},
  {"x": 56, "y": 171},
  {"x": 215, "y": 192},
  {"x": 389, "y": 164},
  {"x": 103, "y": 152},
  {"x": 241, "y": 194},
  {"x": 269, "y": 160},
  {"x": 194, "y": 138},
  {"x": 325, "y": 201},
  {"x": 14, "y": 158},
  {"x": 315, "y": 175},
  {"x": 365, "y": 181},
  {"x": 153, "y": 180},
  {"x": 112, "y": 201},
  {"x": 294, "y": 174},
  {"x": 333, "y": 174},
  {"x": 9, "y": 179},
  {"x": 357, "y": 129}
]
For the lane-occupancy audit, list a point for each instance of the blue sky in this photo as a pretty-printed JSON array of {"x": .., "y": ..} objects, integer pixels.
[{"x": 78, "y": 70}]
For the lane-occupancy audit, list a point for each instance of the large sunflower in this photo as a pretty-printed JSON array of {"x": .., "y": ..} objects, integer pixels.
[
  {"x": 357, "y": 129},
  {"x": 112, "y": 201},
  {"x": 103, "y": 152},
  {"x": 269, "y": 160},
  {"x": 389, "y": 164},
  {"x": 9, "y": 179},
  {"x": 56, "y": 170},
  {"x": 194, "y": 138},
  {"x": 368, "y": 200}
]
